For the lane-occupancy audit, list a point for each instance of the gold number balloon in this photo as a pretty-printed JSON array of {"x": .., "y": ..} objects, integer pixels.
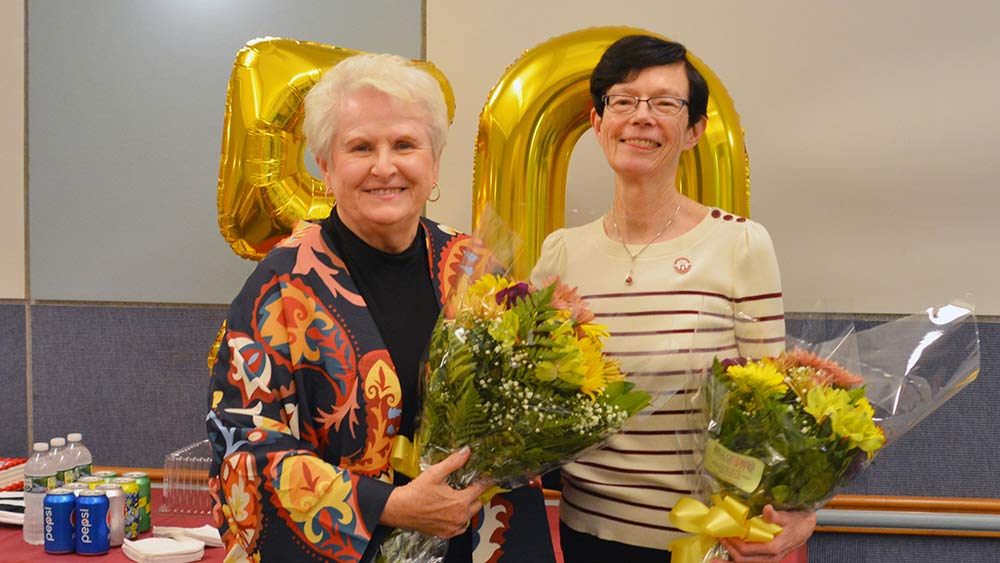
[
  {"x": 264, "y": 187},
  {"x": 537, "y": 112}
]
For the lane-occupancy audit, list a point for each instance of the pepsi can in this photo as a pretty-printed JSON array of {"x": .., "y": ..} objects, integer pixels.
[
  {"x": 93, "y": 532},
  {"x": 58, "y": 518},
  {"x": 116, "y": 505}
]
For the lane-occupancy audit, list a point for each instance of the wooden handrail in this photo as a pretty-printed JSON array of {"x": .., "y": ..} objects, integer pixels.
[
  {"x": 951, "y": 505},
  {"x": 895, "y": 503},
  {"x": 915, "y": 504}
]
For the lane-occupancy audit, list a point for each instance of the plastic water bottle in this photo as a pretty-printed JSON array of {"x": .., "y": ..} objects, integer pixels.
[
  {"x": 39, "y": 477},
  {"x": 79, "y": 455},
  {"x": 61, "y": 462}
]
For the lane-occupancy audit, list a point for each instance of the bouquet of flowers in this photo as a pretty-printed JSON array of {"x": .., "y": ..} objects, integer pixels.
[
  {"x": 519, "y": 375},
  {"x": 790, "y": 431},
  {"x": 516, "y": 373},
  {"x": 803, "y": 417}
]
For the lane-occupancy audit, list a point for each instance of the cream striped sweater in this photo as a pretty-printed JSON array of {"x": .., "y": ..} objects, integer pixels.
[{"x": 713, "y": 291}]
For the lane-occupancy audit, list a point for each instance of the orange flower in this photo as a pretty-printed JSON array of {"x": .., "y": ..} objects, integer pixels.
[
  {"x": 565, "y": 297},
  {"x": 827, "y": 371}
]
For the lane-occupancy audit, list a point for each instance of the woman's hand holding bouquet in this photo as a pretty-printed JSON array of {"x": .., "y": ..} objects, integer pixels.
[
  {"x": 517, "y": 375},
  {"x": 787, "y": 432}
]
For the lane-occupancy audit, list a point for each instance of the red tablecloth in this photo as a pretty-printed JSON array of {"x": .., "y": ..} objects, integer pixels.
[{"x": 14, "y": 550}]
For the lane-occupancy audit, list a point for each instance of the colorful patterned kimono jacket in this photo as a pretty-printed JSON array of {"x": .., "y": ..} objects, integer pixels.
[{"x": 305, "y": 402}]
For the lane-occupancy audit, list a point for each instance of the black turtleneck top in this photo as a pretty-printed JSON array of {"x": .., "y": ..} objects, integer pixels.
[{"x": 400, "y": 296}]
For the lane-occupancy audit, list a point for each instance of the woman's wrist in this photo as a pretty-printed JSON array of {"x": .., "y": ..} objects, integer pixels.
[{"x": 394, "y": 512}]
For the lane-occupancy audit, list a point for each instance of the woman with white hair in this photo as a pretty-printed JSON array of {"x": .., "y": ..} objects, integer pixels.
[{"x": 318, "y": 368}]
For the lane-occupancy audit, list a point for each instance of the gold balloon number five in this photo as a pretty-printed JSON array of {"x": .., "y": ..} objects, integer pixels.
[{"x": 530, "y": 123}]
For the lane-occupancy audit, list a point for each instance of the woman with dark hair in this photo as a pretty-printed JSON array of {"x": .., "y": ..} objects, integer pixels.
[
  {"x": 317, "y": 371},
  {"x": 660, "y": 270}
]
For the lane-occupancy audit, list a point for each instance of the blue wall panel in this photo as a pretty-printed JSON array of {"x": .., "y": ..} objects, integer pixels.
[
  {"x": 134, "y": 380},
  {"x": 953, "y": 451},
  {"x": 857, "y": 548},
  {"x": 14, "y": 429}
]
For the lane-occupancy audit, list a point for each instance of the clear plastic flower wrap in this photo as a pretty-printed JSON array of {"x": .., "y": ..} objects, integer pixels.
[
  {"x": 793, "y": 430},
  {"x": 517, "y": 373}
]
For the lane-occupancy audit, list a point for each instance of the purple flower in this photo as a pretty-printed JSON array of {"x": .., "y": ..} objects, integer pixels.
[
  {"x": 508, "y": 297},
  {"x": 728, "y": 362}
]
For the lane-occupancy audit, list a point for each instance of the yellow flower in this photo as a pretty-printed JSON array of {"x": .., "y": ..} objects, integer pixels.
[
  {"x": 570, "y": 365},
  {"x": 593, "y": 367},
  {"x": 481, "y": 297},
  {"x": 566, "y": 358},
  {"x": 581, "y": 363},
  {"x": 851, "y": 422},
  {"x": 825, "y": 402},
  {"x": 564, "y": 335},
  {"x": 855, "y": 424},
  {"x": 546, "y": 371},
  {"x": 562, "y": 315},
  {"x": 763, "y": 375},
  {"x": 612, "y": 371},
  {"x": 504, "y": 330},
  {"x": 593, "y": 330}
]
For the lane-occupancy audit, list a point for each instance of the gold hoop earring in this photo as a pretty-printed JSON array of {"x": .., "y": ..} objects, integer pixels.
[{"x": 438, "y": 196}]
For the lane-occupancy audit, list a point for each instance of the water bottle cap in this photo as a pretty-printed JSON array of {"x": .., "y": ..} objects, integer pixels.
[
  {"x": 40, "y": 447},
  {"x": 74, "y": 437},
  {"x": 58, "y": 442}
]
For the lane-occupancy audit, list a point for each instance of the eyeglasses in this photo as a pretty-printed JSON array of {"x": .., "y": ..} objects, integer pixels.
[{"x": 623, "y": 104}]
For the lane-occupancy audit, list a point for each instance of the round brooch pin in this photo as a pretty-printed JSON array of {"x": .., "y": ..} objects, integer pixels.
[{"x": 682, "y": 265}]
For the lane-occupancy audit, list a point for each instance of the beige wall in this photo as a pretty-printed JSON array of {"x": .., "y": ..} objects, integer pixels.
[
  {"x": 872, "y": 129},
  {"x": 12, "y": 284}
]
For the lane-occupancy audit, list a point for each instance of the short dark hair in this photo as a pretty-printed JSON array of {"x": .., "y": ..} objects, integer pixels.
[{"x": 632, "y": 54}]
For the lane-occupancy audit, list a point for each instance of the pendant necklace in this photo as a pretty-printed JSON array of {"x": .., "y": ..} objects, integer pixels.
[{"x": 632, "y": 257}]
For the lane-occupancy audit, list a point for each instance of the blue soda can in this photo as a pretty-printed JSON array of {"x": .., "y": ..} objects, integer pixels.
[
  {"x": 93, "y": 523},
  {"x": 58, "y": 519}
]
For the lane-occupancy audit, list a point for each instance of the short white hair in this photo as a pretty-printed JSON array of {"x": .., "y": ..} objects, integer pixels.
[{"x": 391, "y": 74}]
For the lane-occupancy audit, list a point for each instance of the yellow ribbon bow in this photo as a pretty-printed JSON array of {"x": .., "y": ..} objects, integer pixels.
[
  {"x": 405, "y": 458},
  {"x": 727, "y": 518}
]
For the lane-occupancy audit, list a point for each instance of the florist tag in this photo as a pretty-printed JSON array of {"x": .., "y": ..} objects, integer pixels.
[{"x": 743, "y": 472}]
